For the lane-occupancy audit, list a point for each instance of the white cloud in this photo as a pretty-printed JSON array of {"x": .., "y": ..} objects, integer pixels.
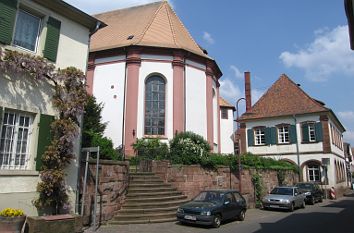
[
  {"x": 238, "y": 74},
  {"x": 229, "y": 90},
  {"x": 208, "y": 38},
  {"x": 349, "y": 137},
  {"x": 94, "y": 6},
  {"x": 349, "y": 115},
  {"x": 328, "y": 54}
]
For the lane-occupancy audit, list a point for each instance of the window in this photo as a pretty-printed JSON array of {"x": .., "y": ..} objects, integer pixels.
[
  {"x": 155, "y": 106},
  {"x": 224, "y": 113},
  {"x": 283, "y": 134},
  {"x": 14, "y": 140},
  {"x": 259, "y": 136},
  {"x": 312, "y": 132},
  {"x": 314, "y": 173},
  {"x": 26, "y": 30}
]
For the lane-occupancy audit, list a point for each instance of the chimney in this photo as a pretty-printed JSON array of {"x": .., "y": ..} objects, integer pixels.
[{"x": 248, "y": 91}]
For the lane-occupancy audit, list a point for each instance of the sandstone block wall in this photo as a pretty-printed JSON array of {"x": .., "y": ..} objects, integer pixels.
[{"x": 113, "y": 180}]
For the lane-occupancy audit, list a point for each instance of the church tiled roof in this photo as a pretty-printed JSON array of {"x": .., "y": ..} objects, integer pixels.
[{"x": 155, "y": 25}]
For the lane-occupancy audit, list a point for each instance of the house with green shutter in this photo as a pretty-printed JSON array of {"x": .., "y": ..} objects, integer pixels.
[
  {"x": 288, "y": 124},
  {"x": 60, "y": 33}
]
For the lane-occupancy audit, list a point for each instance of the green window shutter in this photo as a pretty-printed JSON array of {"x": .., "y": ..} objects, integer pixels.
[
  {"x": 293, "y": 136},
  {"x": 267, "y": 135},
  {"x": 305, "y": 132},
  {"x": 1, "y": 116},
  {"x": 318, "y": 132},
  {"x": 52, "y": 39},
  {"x": 250, "y": 136},
  {"x": 7, "y": 20},
  {"x": 44, "y": 138},
  {"x": 273, "y": 135}
]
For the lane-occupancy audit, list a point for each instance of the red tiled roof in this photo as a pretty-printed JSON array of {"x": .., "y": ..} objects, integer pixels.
[
  {"x": 224, "y": 103},
  {"x": 284, "y": 98},
  {"x": 154, "y": 24}
]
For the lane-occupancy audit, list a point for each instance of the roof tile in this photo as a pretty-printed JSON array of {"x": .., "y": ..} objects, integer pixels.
[{"x": 283, "y": 98}]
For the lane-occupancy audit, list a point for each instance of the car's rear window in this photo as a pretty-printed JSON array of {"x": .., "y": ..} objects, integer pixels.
[{"x": 282, "y": 191}]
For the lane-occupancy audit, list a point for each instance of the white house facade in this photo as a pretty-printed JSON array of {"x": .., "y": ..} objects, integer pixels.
[
  {"x": 287, "y": 124},
  {"x": 59, "y": 33},
  {"x": 153, "y": 78}
]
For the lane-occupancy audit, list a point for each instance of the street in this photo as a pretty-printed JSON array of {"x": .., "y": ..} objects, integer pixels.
[{"x": 329, "y": 216}]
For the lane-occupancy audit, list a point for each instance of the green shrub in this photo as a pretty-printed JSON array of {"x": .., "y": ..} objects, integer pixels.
[
  {"x": 188, "y": 148},
  {"x": 151, "y": 149},
  {"x": 106, "y": 147}
]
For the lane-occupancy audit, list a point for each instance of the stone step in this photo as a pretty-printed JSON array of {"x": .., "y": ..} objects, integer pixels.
[
  {"x": 146, "y": 216},
  {"x": 153, "y": 194},
  {"x": 133, "y": 178},
  {"x": 151, "y": 189},
  {"x": 149, "y": 210},
  {"x": 140, "y": 174},
  {"x": 139, "y": 182},
  {"x": 126, "y": 222},
  {"x": 146, "y": 205},
  {"x": 153, "y": 185},
  {"x": 154, "y": 199}
]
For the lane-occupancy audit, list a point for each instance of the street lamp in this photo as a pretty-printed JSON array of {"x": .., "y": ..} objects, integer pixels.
[{"x": 238, "y": 144}]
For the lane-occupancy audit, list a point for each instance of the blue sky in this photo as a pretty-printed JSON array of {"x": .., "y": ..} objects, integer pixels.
[{"x": 307, "y": 40}]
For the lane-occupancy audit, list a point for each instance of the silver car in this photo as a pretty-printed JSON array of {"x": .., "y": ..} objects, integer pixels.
[{"x": 284, "y": 198}]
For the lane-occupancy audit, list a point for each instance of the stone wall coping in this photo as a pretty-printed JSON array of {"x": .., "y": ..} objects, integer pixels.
[
  {"x": 18, "y": 173},
  {"x": 109, "y": 162}
]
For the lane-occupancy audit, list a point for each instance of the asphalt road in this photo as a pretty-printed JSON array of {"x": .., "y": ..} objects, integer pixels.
[{"x": 327, "y": 217}]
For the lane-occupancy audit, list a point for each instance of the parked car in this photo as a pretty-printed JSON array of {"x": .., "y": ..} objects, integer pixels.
[
  {"x": 312, "y": 192},
  {"x": 284, "y": 197},
  {"x": 212, "y": 207}
]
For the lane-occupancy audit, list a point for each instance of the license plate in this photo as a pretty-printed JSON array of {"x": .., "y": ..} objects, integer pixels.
[
  {"x": 273, "y": 206},
  {"x": 189, "y": 217}
]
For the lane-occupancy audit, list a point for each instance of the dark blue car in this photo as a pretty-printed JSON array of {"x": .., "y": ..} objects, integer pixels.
[{"x": 212, "y": 207}]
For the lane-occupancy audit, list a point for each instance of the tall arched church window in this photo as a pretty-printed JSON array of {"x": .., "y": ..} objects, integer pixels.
[{"x": 155, "y": 91}]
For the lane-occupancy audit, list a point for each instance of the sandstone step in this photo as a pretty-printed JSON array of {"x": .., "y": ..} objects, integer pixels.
[
  {"x": 146, "y": 216},
  {"x": 149, "y": 210},
  {"x": 154, "y": 199},
  {"x": 135, "y": 174},
  {"x": 137, "y": 205},
  {"x": 138, "y": 182},
  {"x": 150, "y": 190},
  {"x": 147, "y": 185},
  {"x": 133, "y": 178},
  {"x": 126, "y": 222},
  {"x": 154, "y": 194}
]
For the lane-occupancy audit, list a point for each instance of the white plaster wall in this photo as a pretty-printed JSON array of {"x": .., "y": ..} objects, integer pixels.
[
  {"x": 196, "y": 114},
  {"x": 331, "y": 174},
  {"x": 226, "y": 133},
  {"x": 287, "y": 148},
  {"x": 73, "y": 40},
  {"x": 165, "y": 69},
  {"x": 105, "y": 77}
]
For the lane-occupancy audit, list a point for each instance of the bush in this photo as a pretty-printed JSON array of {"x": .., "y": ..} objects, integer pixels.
[
  {"x": 106, "y": 147},
  {"x": 188, "y": 148},
  {"x": 151, "y": 149},
  {"x": 10, "y": 212}
]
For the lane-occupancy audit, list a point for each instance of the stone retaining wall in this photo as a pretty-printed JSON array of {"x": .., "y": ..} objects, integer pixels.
[
  {"x": 191, "y": 179},
  {"x": 113, "y": 182}
]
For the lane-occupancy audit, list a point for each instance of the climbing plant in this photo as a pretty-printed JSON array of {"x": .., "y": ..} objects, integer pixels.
[
  {"x": 258, "y": 188},
  {"x": 69, "y": 99}
]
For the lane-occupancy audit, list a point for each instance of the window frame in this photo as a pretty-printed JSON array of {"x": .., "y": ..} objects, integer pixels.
[
  {"x": 224, "y": 113},
  {"x": 312, "y": 130},
  {"x": 146, "y": 133},
  {"x": 313, "y": 168},
  {"x": 40, "y": 22},
  {"x": 259, "y": 137},
  {"x": 282, "y": 135},
  {"x": 15, "y": 139}
]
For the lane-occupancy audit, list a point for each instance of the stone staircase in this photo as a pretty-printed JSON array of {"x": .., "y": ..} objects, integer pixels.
[{"x": 149, "y": 200}]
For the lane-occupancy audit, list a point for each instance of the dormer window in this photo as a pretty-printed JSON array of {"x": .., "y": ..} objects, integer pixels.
[{"x": 26, "y": 31}]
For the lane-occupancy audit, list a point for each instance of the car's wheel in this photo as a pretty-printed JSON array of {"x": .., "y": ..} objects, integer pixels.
[
  {"x": 217, "y": 221},
  {"x": 321, "y": 199},
  {"x": 292, "y": 207},
  {"x": 303, "y": 204},
  {"x": 312, "y": 201},
  {"x": 242, "y": 215}
]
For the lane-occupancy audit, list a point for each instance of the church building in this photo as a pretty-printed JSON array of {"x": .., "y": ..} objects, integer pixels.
[{"x": 154, "y": 79}]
